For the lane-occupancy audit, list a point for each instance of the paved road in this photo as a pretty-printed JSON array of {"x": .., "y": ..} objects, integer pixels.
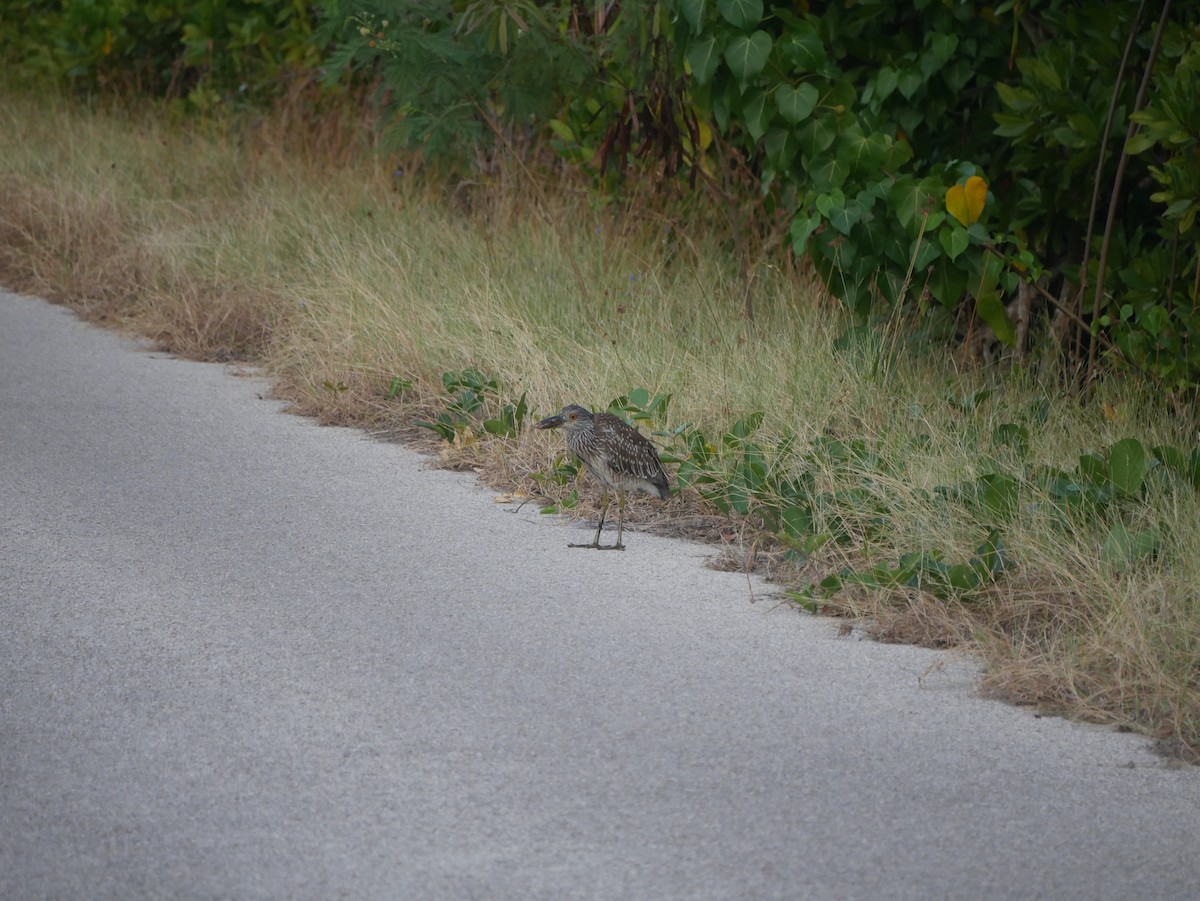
[{"x": 243, "y": 656}]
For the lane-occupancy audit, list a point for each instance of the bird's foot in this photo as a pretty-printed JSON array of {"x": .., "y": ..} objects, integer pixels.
[{"x": 596, "y": 546}]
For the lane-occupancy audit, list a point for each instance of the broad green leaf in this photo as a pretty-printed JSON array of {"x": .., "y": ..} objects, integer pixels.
[
  {"x": 741, "y": 14},
  {"x": 802, "y": 227},
  {"x": 912, "y": 199},
  {"x": 797, "y": 520},
  {"x": 722, "y": 104},
  {"x": 954, "y": 241},
  {"x": 1123, "y": 548},
  {"x": 755, "y": 115},
  {"x": 1185, "y": 467},
  {"x": 844, "y": 218},
  {"x": 747, "y": 54},
  {"x": 781, "y": 147},
  {"x": 962, "y": 577},
  {"x": 899, "y": 153},
  {"x": 885, "y": 82},
  {"x": 826, "y": 203},
  {"x": 1093, "y": 470},
  {"x": 923, "y": 252},
  {"x": 991, "y": 310},
  {"x": 694, "y": 11},
  {"x": 796, "y": 103},
  {"x": 703, "y": 57},
  {"x": 862, "y": 153},
  {"x": 944, "y": 46},
  {"x": 827, "y": 173},
  {"x": 803, "y": 48},
  {"x": 1127, "y": 466},
  {"x": 909, "y": 81},
  {"x": 1000, "y": 494},
  {"x": 818, "y": 134}
]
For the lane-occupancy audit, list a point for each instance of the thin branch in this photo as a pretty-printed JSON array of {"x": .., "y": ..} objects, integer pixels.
[
  {"x": 1063, "y": 308},
  {"x": 1106, "y": 134},
  {"x": 1120, "y": 177}
]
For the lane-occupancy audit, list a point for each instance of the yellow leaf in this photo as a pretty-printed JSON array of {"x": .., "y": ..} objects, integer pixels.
[
  {"x": 965, "y": 202},
  {"x": 705, "y": 134}
]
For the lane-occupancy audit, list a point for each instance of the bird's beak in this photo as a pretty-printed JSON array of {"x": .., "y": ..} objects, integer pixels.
[{"x": 550, "y": 422}]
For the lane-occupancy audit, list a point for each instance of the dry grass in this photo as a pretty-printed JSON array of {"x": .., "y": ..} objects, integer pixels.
[{"x": 341, "y": 277}]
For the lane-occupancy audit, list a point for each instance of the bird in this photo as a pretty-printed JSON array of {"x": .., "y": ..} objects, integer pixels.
[{"x": 617, "y": 455}]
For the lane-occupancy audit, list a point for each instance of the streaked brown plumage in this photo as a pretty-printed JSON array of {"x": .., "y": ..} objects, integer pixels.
[{"x": 617, "y": 455}]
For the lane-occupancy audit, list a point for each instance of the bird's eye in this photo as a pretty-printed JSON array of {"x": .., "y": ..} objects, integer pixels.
[{"x": 573, "y": 417}]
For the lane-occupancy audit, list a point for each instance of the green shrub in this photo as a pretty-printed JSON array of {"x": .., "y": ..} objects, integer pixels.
[
  {"x": 931, "y": 156},
  {"x": 206, "y": 52}
]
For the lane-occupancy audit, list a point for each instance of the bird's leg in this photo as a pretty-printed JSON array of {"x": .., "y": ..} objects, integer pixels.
[
  {"x": 620, "y": 525},
  {"x": 600, "y": 525}
]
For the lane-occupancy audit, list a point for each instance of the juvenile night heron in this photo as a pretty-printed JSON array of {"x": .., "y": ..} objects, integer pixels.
[{"x": 617, "y": 456}]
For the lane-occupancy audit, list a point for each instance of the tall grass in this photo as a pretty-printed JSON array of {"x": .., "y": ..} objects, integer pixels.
[{"x": 342, "y": 278}]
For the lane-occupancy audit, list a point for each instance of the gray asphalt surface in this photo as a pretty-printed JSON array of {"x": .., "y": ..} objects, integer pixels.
[{"x": 244, "y": 656}]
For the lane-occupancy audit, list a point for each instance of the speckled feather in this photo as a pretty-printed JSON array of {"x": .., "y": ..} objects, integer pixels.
[{"x": 616, "y": 454}]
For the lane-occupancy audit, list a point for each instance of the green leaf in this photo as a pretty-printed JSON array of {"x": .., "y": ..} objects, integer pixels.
[
  {"x": 1010, "y": 126},
  {"x": 695, "y": 12},
  {"x": 1013, "y": 435},
  {"x": 909, "y": 81},
  {"x": 885, "y": 82},
  {"x": 818, "y": 134},
  {"x": 781, "y": 147},
  {"x": 747, "y": 54},
  {"x": 899, "y": 153},
  {"x": 803, "y": 48},
  {"x": 741, "y": 13},
  {"x": 844, "y": 218},
  {"x": 755, "y": 115},
  {"x": 802, "y": 227},
  {"x": 999, "y": 494},
  {"x": 991, "y": 310},
  {"x": 498, "y": 427},
  {"x": 923, "y": 253},
  {"x": 1140, "y": 143},
  {"x": 947, "y": 283},
  {"x": 797, "y": 520},
  {"x": 1186, "y": 468},
  {"x": 860, "y": 152},
  {"x": 944, "y": 46},
  {"x": 913, "y": 199},
  {"x": 1123, "y": 548},
  {"x": 703, "y": 57},
  {"x": 796, "y": 103},
  {"x": 954, "y": 241},
  {"x": 1127, "y": 466},
  {"x": 826, "y": 203},
  {"x": 1093, "y": 470},
  {"x": 828, "y": 173}
]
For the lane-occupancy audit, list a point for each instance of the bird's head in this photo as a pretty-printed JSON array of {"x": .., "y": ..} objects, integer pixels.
[{"x": 572, "y": 417}]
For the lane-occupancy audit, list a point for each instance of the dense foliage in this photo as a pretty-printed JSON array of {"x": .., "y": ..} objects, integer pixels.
[
  {"x": 943, "y": 157},
  {"x": 1025, "y": 174},
  {"x": 201, "y": 53}
]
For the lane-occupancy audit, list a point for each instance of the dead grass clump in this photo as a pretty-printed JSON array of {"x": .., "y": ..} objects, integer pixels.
[
  {"x": 81, "y": 250},
  {"x": 215, "y": 323},
  {"x": 71, "y": 249},
  {"x": 921, "y": 619}
]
